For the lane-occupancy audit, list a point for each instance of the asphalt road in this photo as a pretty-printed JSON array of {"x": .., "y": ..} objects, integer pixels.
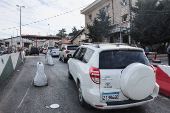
[{"x": 19, "y": 95}]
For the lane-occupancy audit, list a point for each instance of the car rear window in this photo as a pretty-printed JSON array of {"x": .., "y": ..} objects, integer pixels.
[
  {"x": 72, "y": 47},
  {"x": 121, "y": 59},
  {"x": 50, "y": 48}
]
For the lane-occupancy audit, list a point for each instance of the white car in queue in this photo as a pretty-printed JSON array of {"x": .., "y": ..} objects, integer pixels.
[
  {"x": 67, "y": 52},
  {"x": 55, "y": 52},
  {"x": 112, "y": 76}
]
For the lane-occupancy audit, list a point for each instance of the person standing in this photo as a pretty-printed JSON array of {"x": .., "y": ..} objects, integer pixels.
[
  {"x": 146, "y": 50},
  {"x": 168, "y": 51}
]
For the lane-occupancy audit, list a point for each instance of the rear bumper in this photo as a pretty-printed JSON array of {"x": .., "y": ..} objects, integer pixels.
[{"x": 92, "y": 97}]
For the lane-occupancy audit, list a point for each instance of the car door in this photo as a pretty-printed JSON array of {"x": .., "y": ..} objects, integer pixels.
[
  {"x": 80, "y": 65},
  {"x": 72, "y": 62}
]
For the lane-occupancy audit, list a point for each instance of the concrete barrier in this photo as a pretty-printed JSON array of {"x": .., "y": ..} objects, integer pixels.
[
  {"x": 163, "y": 79},
  {"x": 9, "y": 63}
]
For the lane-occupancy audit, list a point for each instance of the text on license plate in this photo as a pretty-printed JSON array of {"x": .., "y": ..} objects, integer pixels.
[{"x": 111, "y": 96}]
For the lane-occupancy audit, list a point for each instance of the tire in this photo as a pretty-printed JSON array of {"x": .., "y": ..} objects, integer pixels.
[
  {"x": 69, "y": 75},
  {"x": 82, "y": 102},
  {"x": 64, "y": 60}
]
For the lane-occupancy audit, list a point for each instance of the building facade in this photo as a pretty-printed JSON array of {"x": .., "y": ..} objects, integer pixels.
[
  {"x": 80, "y": 38},
  {"x": 121, "y": 16}
]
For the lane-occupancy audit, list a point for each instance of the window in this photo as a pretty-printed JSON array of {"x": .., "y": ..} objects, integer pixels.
[
  {"x": 88, "y": 55},
  {"x": 124, "y": 18},
  {"x": 124, "y": 2},
  {"x": 90, "y": 18},
  {"x": 82, "y": 53},
  {"x": 108, "y": 9},
  {"x": 76, "y": 53},
  {"x": 120, "y": 59},
  {"x": 102, "y": 9},
  {"x": 72, "y": 47}
]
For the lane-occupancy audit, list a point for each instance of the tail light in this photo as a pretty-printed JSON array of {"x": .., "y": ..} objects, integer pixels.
[
  {"x": 67, "y": 51},
  {"x": 47, "y": 50},
  {"x": 153, "y": 68},
  {"x": 95, "y": 75},
  {"x": 53, "y": 52}
]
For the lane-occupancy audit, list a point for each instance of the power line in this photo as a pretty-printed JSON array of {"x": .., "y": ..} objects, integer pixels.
[
  {"x": 47, "y": 18},
  {"x": 30, "y": 7}
]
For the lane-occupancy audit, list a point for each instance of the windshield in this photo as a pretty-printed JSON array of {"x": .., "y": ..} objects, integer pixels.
[
  {"x": 120, "y": 59},
  {"x": 72, "y": 47}
]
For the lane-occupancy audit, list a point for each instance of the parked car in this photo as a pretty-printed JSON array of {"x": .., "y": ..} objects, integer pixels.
[
  {"x": 49, "y": 49},
  {"x": 26, "y": 51},
  {"x": 34, "y": 50},
  {"x": 67, "y": 52},
  {"x": 55, "y": 52},
  {"x": 112, "y": 76},
  {"x": 41, "y": 50},
  {"x": 2, "y": 53},
  {"x": 44, "y": 51}
]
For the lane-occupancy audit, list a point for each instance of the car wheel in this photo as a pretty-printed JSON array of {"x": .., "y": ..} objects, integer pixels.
[
  {"x": 69, "y": 75},
  {"x": 64, "y": 60},
  {"x": 82, "y": 102}
]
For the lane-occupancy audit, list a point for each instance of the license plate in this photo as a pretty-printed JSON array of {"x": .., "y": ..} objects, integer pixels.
[{"x": 110, "y": 96}]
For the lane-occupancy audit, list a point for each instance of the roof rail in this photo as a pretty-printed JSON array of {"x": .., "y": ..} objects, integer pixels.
[{"x": 95, "y": 45}]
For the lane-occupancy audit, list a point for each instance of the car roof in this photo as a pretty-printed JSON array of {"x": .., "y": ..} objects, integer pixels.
[{"x": 112, "y": 46}]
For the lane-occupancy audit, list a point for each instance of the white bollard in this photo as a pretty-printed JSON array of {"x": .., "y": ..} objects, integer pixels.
[
  {"x": 40, "y": 78},
  {"x": 48, "y": 59}
]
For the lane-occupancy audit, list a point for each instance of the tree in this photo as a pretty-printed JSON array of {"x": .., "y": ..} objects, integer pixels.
[
  {"x": 74, "y": 32},
  {"x": 101, "y": 27},
  {"x": 62, "y": 33},
  {"x": 151, "y": 23}
]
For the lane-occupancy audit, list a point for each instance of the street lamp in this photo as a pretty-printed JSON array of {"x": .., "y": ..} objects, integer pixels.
[
  {"x": 20, "y": 22},
  {"x": 17, "y": 32},
  {"x": 120, "y": 21},
  {"x": 49, "y": 29},
  {"x": 47, "y": 33}
]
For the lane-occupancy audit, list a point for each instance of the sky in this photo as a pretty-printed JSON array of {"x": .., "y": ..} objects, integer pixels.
[{"x": 40, "y": 17}]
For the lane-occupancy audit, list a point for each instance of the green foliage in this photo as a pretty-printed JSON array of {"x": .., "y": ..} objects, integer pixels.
[
  {"x": 151, "y": 24},
  {"x": 101, "y": 27},
  {"x": 74, "y": 32},
  {"x": 62, "y": 33}
]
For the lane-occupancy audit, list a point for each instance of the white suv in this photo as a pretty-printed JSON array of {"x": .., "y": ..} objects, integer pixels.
[
  {"x": 112, "y": 76},
  {"x": 67, "y": 52}
]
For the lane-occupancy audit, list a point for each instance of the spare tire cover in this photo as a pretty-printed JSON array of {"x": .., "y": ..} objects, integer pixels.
[{"x": 137, "y": 81}]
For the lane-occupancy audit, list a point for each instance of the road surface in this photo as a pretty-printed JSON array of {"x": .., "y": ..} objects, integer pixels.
[{"x": 18, "y": 94}]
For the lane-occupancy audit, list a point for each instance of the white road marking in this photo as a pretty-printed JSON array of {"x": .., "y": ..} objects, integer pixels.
[{"x": 24, "y": 97}]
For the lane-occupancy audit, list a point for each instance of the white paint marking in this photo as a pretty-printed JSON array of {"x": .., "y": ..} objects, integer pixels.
[{"x": 24, "y": 97}]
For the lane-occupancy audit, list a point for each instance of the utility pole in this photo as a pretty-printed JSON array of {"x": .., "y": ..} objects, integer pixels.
[
  {"x": 49, "y": 29},
  {"x": 130, "y": 14},
  {"x": 20, "y": 23},
  {"x": 120, "y": 21}
]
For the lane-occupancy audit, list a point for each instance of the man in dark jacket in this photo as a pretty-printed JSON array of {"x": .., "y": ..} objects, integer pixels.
[{"x": 168, "y": 51}]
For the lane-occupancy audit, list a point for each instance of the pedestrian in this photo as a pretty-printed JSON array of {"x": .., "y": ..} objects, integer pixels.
[
  {"x": 146, "y": 50},
  {"x": 168, "y": 51}
]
